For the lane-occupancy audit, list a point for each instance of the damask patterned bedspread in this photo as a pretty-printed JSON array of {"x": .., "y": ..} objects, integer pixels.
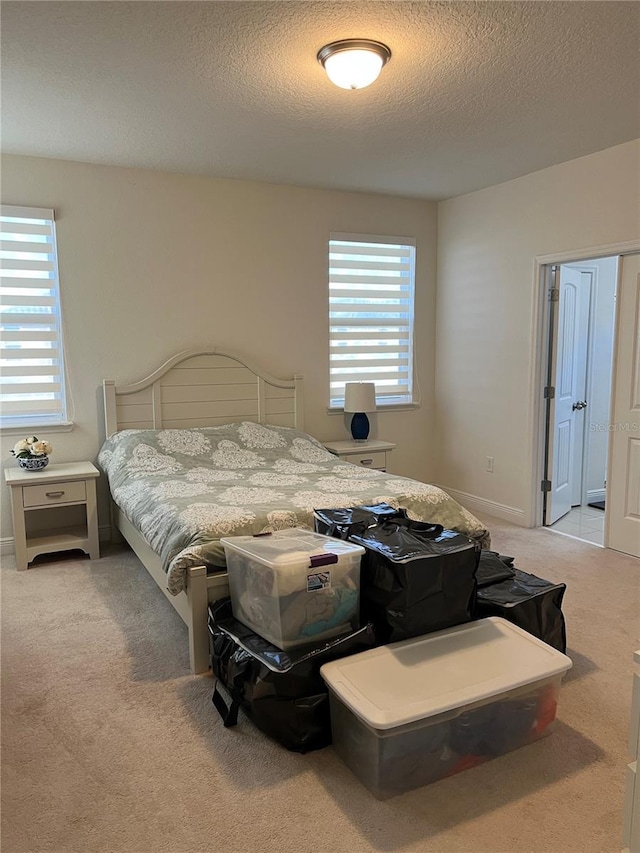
[{"x": 184, "y": 489}]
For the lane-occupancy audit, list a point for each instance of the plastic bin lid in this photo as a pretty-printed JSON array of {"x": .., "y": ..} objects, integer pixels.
[
  {"x": 419, "y": 678},
  {"x": 285, "y": 547}
]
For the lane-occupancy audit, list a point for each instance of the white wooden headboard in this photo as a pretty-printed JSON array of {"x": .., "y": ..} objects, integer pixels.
[{"x": 203, "y": 387}]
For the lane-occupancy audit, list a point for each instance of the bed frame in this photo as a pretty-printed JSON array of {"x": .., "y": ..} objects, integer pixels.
[{"x": 196, "y": 388}]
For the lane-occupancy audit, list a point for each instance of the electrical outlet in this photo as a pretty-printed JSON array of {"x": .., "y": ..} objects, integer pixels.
[{"x": 490, "y": 464}]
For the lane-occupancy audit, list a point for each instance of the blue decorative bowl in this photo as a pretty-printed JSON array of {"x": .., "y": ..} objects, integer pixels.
[{"x": 33, "y": 463}]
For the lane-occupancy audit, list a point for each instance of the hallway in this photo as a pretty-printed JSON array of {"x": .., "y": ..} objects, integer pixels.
[{"x": 582, "y": 522}]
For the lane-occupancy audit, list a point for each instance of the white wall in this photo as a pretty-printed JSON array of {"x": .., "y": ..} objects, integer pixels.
[
  {"x": 152, "y": 263},
  {"x": 487, "y": 244}
]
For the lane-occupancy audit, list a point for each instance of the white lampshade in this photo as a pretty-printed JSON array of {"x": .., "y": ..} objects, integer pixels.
[
  {"x": 353, "y": 63},
  {"x": 353, "y": 69},
  {"x": 360, "y": 397}
]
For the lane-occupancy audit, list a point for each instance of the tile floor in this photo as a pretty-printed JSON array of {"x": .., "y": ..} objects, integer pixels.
[{"x": 583, "y": 522}]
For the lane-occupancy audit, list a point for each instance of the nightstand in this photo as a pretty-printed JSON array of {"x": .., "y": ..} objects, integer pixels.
[
  {"x": 368, "y": 454},
  {"x": 65, "y": 485}
]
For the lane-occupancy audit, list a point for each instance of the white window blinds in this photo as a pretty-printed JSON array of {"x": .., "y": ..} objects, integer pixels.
[
  {"x": 371, "y": 305},
  {"x": 31, "y": 366}
]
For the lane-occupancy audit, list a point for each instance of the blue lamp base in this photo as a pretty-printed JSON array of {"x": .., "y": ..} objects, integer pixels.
[{"x": 360, "y": 426}]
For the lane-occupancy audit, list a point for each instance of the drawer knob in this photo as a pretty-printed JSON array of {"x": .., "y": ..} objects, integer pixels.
[
  {"x": 55, "y": 494},
  {"x": 366, "y": 461}
]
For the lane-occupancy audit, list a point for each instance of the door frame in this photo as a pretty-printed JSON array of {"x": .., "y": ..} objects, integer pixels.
[
  {"x": 586, "y": 447},
  {"x": 539, "y": 360},
  {"x": 557, "y": 275},
  {"x": 592, "y": 284},
  {"x": 595, "y": 289}
]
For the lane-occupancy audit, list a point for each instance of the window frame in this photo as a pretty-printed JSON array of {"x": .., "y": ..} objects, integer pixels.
[
  {"x": 400, "y": 402},
  {"x": 20, "y": 422}
]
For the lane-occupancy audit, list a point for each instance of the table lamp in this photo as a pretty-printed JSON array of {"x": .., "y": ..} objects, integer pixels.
[{"x": 360, "y": 398}]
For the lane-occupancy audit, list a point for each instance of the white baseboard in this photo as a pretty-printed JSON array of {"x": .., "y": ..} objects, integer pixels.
[
  {"x": 7, "y": 545},
  {"x": 476, "y": 504},
  {"x": 596, "y": 495}
]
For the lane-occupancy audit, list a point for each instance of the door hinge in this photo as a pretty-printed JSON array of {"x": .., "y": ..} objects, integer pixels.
[
  {"x": 554, "y": 294},
  {"x": 549, "y": 392},
  {"x": 545, "y": 485}
]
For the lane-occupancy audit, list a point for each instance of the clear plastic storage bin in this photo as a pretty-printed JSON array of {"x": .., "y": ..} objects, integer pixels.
[
  {"x": 414, "y": 712},
  {"x": 294, "y": 587}
]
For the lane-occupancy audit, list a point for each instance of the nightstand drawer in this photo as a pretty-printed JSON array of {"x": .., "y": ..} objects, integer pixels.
[
  {"x": 368, "y": 454},
  {"x": 368, "y": 460},
  {"x": 54, "y": 493}
]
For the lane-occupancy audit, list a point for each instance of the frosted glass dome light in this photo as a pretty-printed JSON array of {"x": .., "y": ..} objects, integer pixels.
[{"x": 353, "y": 63}]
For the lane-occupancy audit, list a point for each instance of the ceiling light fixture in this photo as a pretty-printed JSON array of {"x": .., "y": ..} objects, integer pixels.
[{"x": 353, "y": 63}]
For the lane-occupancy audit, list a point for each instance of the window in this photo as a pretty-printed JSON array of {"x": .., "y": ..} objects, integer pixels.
[
  {"x": 371, "y": 303},
  {"x": 31, "y": 366}
]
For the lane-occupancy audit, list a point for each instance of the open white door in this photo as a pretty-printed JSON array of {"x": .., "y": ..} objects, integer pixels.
[
  {"x": 623, "y": 481},
  {"x": 567, "y": 403}
]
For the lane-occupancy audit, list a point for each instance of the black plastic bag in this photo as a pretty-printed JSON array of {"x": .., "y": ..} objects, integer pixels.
[
  {"x": 531, "y": 603},
  {"x": 282, "y": 692},
  {"x": 416, "y": 578},
  {"x": 341, "y": 523},
  {"x": 494, "y": 568}
]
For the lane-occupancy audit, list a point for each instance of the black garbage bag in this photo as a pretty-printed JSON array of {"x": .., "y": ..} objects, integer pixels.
[
  {"x": 531, "y": 603},
  {"x": 282, "y": 692},
  {"x": 493, "y": 568},
  {"x": 415, "y": 578},
  {"x": 340, "y": 523},
  {"x": 495, "y": 728}
]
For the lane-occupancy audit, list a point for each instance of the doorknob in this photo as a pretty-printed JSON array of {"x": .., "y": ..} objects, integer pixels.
[{"x": 581, "y": 404}]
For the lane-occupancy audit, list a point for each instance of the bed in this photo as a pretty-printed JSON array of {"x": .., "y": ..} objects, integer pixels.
[{"x": 208, "y": 446}]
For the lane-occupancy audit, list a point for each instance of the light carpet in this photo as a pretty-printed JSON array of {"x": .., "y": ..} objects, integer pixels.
[{"x": 109, "y": 744}]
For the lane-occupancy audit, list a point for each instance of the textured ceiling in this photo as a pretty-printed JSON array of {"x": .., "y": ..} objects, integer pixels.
[{"x": 475, "y": 93}]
